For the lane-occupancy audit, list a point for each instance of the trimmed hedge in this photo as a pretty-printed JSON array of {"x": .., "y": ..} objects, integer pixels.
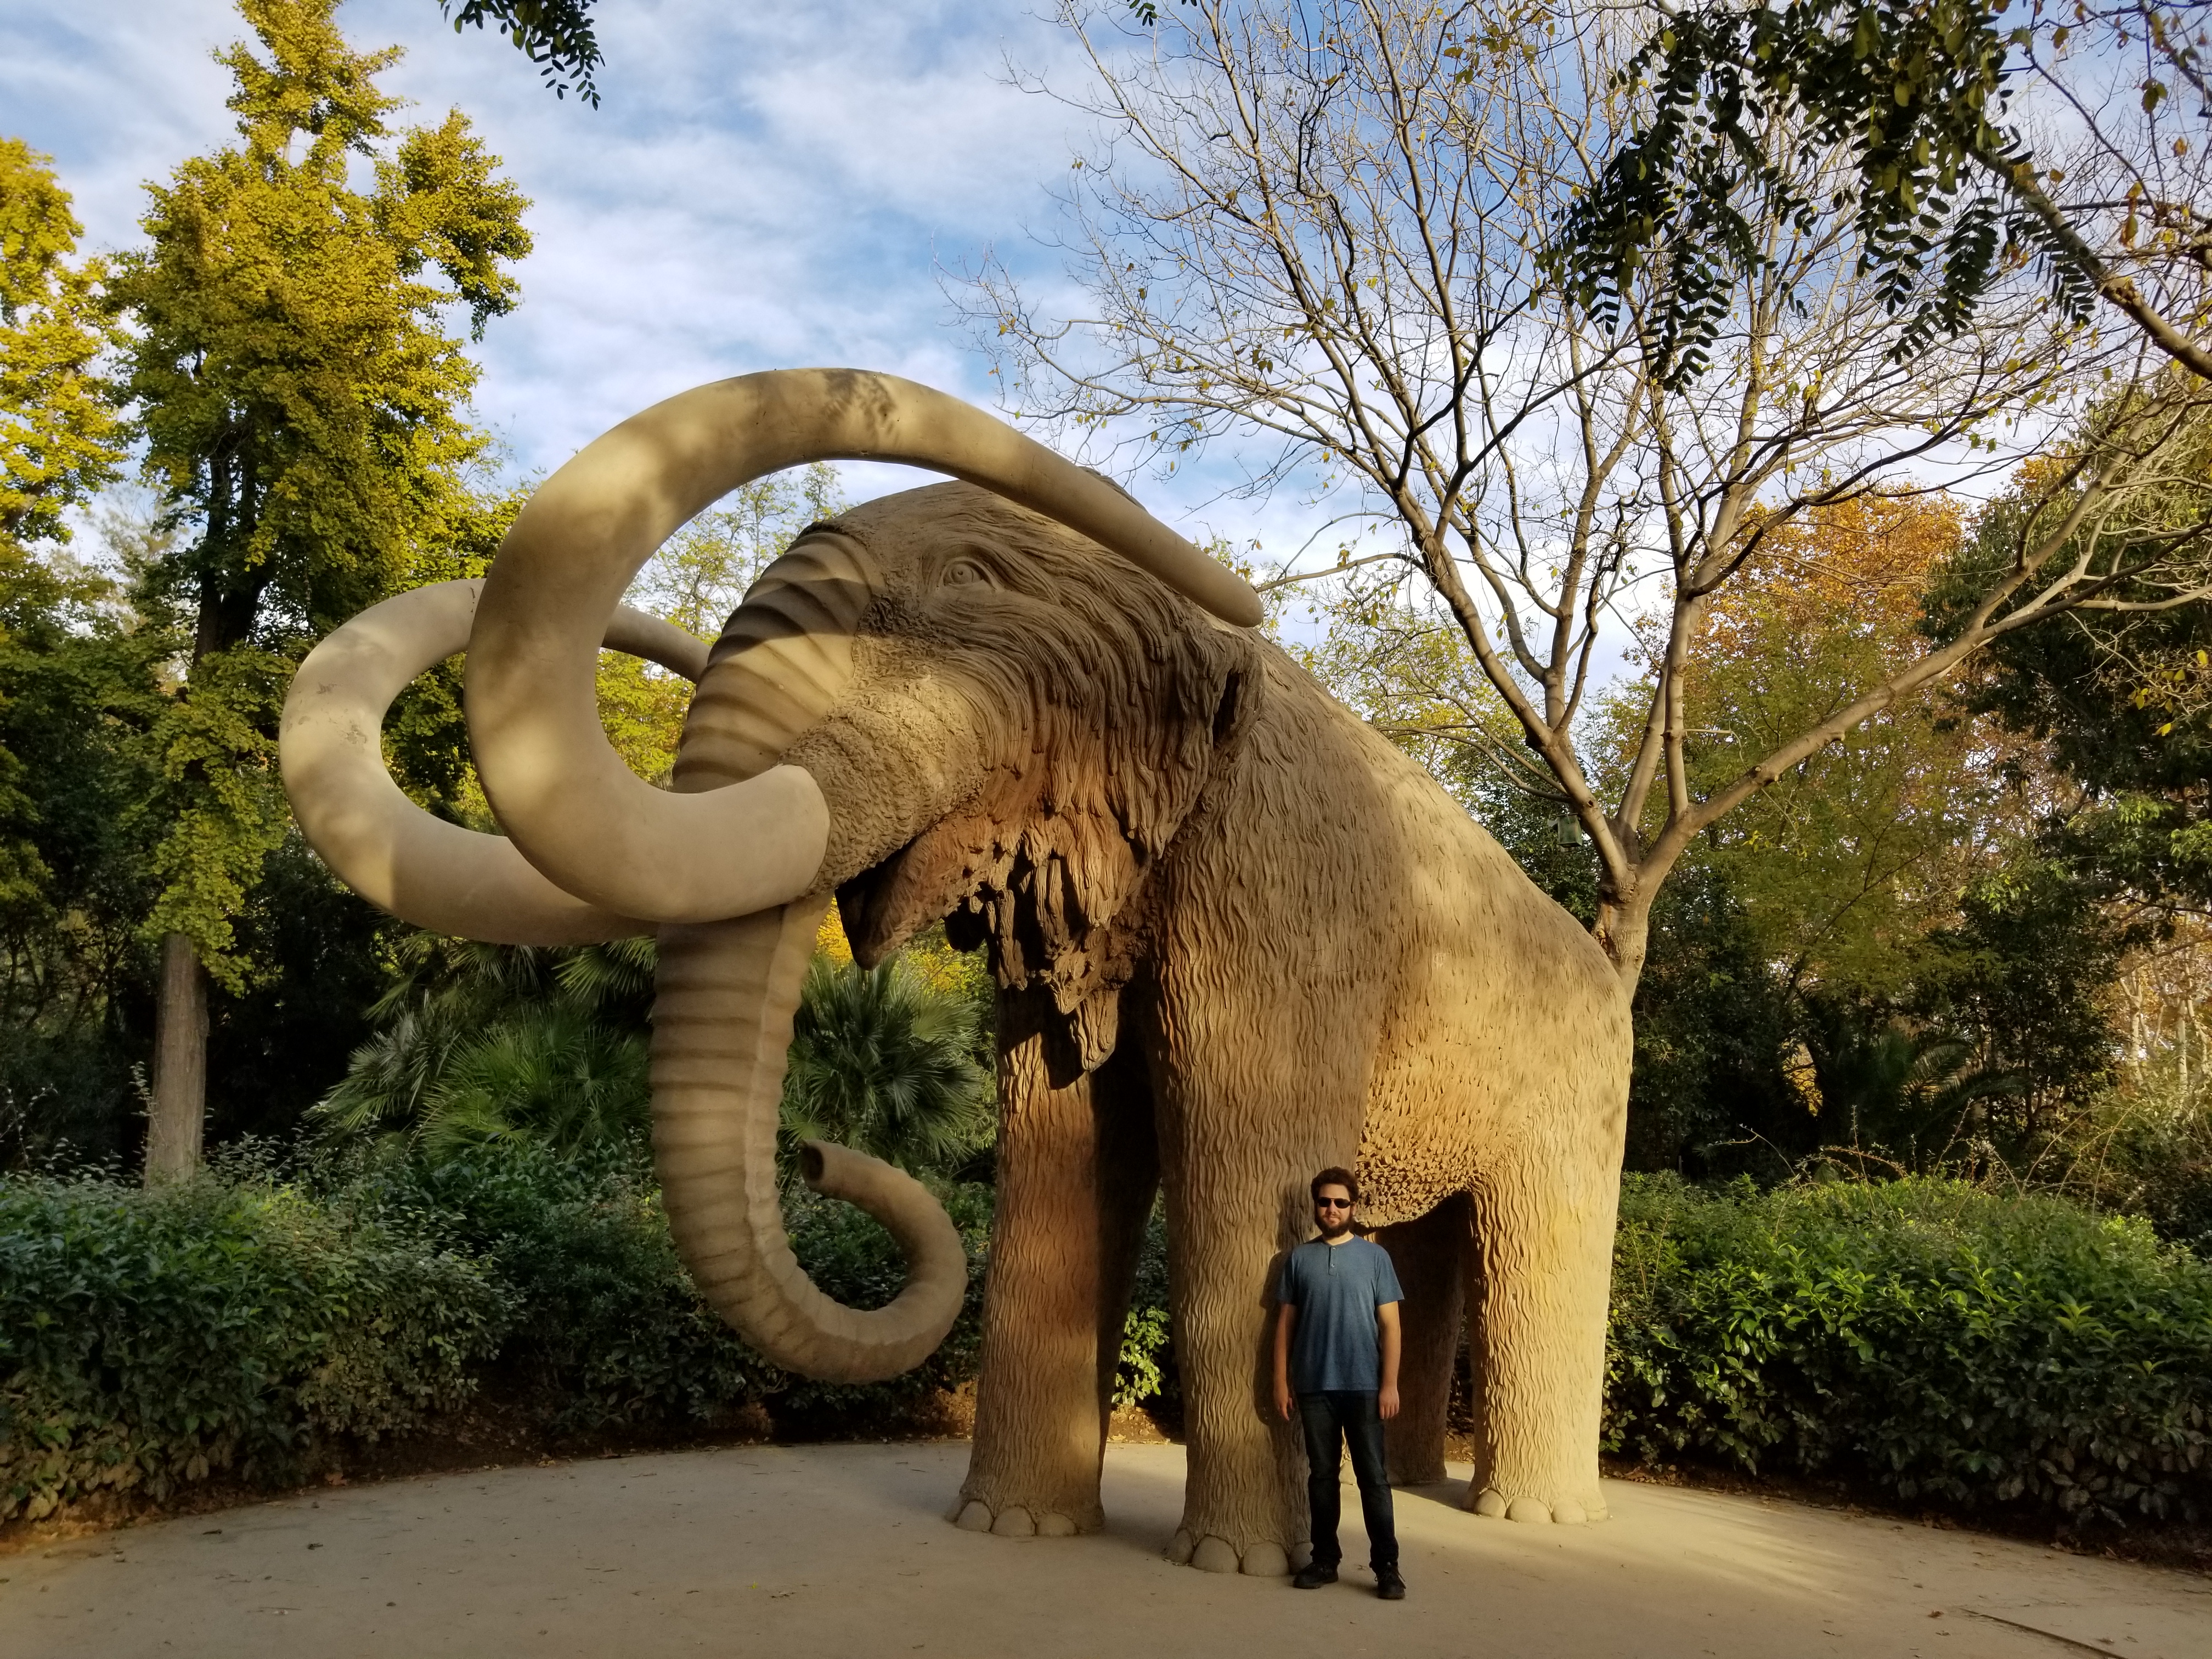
[
  {"x": 1945, "y": 1344},
  {"x": 148, "y": 1339},
  {"x": 152, "y": 1338},
  {"x": 609, "y": 1330}
]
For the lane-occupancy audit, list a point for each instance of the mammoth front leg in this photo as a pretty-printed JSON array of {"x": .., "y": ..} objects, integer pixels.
[
  {"x": 1249, "y": 1105},
  {"x": 1244, "y": 1507},
  {"x": 1077, "y": 1168}
]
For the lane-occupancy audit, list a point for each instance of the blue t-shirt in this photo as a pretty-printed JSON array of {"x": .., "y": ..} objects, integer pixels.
[{"x": 1336, "y": 1289}]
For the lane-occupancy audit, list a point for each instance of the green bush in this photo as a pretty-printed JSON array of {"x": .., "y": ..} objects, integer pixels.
[
  {"x": 609, "y": 1330},
  {"x": 236, "y": 1323},
  {"x": 1146, "y": 1369},
  {"x": 854, "y": 1261},
  {"x": 1944, "y": 1343},
  {"x": 148, "y": 1338}
]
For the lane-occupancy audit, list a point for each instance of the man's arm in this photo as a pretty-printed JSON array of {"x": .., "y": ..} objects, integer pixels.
[
  {"x": 1386, "y": 1330},
  {"x": 1286, "y": 1316}
]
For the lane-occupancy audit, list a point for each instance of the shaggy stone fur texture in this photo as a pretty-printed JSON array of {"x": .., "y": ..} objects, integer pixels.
[{"x": 1238, "y": 936}]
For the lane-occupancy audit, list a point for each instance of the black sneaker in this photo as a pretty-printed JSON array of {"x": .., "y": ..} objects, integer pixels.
[
  {"x": 1314, "y": 1577},
  {"x": 1388, "y": 1584}
]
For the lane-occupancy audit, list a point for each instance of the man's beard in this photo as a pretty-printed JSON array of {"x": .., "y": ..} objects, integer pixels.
[{"x": 1336, "y": 1229}]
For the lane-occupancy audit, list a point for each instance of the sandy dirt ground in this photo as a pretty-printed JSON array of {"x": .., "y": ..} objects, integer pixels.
[{"x": 842, "y": 1550}]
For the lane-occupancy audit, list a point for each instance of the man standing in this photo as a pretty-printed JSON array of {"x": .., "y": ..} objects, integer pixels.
[{"x": 1336, "y": 1358}]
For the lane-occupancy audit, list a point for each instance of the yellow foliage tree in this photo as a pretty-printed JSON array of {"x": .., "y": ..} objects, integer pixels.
[{"x": 1862, "y": 847}]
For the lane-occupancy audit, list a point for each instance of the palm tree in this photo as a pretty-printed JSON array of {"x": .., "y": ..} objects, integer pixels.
[
  {"x": 557, "y": 1076},
  {"x": 483, "y": 1044},
  {"x": 496, "y": 1042},
  {"x": 1916, "y": 1094},
  {"x": 885, "y": 1064}
]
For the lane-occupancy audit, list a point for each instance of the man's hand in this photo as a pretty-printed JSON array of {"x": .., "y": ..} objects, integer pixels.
[
  {"x": 1286, "y": 1319},
  {"x": 1284, "y": 1402},
  {"x": 1386, "y": 1400}
]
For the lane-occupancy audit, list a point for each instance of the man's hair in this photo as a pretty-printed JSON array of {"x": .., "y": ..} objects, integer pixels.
[{"x": 1332, "y": 1177}]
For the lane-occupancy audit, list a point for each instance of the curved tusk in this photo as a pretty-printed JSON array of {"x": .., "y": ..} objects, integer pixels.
[
  {"x": 576, "y": 810},
  {"x": 422, "y": 869}
]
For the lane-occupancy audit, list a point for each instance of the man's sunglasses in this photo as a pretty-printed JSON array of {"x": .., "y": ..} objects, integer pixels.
[{"x": 1332, "y": 1204}]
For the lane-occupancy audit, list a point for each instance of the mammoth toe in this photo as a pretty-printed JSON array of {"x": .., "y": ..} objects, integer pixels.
[
  {"x": 1215, "y": 1555},
  {"x": 1265, "y": 1560},
  {"x": 1211, "y": 1552},
  {"x": 1012, "y": 1520},
  {"x": 1563, "y": 1511}
]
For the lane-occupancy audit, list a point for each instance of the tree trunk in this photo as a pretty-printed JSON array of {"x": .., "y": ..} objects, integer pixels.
[
  {"x": 1625, "y": 931},
  {"x": 178, "y": 1114},
  {"x": 179, "y": 1110}
]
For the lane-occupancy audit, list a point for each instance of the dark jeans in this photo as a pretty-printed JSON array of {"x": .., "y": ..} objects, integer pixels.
[{"x": 1330, "y": 1421}]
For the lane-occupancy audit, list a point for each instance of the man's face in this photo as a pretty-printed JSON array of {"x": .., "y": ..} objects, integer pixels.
[{"x": 1333, "y": 1211}]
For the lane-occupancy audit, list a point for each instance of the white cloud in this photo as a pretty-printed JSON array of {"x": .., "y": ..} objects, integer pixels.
[{"x": 760, "y": 187}]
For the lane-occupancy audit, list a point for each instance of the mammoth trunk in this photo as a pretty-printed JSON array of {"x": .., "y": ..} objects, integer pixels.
[
  {"x": 721, "y": 1026},
  {"x": 725, "y": 995}
]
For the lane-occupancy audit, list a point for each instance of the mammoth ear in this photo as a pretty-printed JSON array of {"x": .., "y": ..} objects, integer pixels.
[{"x": 1119, "y": 797}]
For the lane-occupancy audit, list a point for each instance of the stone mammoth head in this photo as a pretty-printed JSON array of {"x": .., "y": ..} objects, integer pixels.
[
  {"x": 952, "y": 701},
  {"x": 1026, "y": 722}
]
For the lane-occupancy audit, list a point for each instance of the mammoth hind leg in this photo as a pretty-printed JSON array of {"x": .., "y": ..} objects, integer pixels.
[
  {"x": 1077, "y": 1169},
  {"x": 1545, "y": 1227},
  {"x": 1429, "y": 1255}
]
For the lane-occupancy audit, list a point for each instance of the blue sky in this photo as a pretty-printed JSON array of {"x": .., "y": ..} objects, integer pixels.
[{"x": 762, "y": 186}]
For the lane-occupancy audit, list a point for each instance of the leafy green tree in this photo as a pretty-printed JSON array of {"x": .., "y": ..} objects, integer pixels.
[
  {"x": 2121, "y": 701},
  {"x": 59, "y": 433},
  {"x": 301, "y": 405},
  {"x": 76, "y": 691},
  {"x": 556, "y": 35},
  {"x": 78, "y": 694},
  {"x": 1934, "y": 102},
  {"x": 2020, "y": 978},
  {"x": 1852, "y": 856}
]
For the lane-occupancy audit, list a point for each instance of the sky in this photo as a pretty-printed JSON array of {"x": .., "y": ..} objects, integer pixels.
[{"x": 762, "y": 185}]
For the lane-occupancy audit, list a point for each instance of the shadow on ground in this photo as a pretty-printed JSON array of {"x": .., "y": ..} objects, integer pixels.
[{"x": 842, "y": 1550}]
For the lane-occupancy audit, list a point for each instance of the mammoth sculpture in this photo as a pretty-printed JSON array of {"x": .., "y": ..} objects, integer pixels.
[{"x": 1237, "y": 935}]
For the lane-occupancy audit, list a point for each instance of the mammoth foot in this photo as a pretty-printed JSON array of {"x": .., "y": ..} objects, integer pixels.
[
  {"x": 1259, "y": 1557},
  {"x": 1560, "y": 1510},
  {"x": 1010, "y": 1520}
]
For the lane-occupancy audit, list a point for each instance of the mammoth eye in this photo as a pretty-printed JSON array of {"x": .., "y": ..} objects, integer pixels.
[{"x": 961, "y": 572}]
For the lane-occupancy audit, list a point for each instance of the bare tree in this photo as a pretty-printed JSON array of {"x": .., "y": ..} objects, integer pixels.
[{"x": 1317, "y": 230}]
